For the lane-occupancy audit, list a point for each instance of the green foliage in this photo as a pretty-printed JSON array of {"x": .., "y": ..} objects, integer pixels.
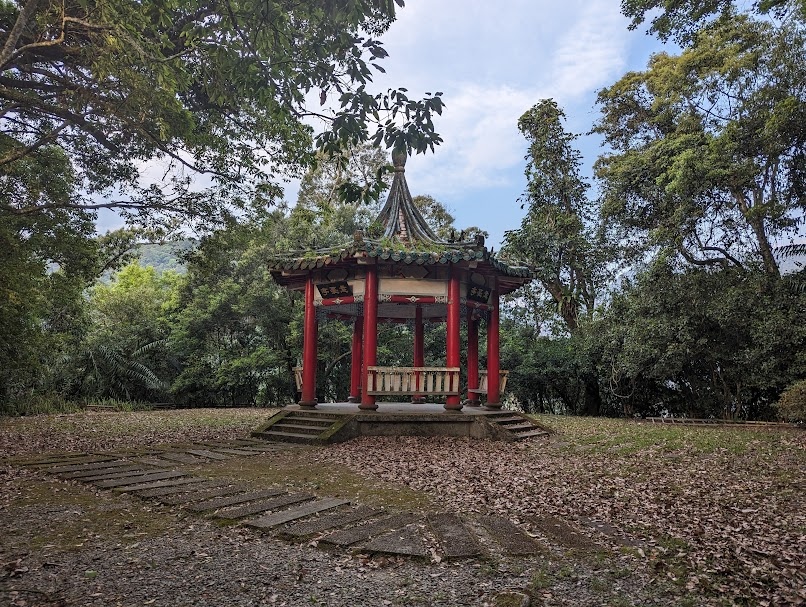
[
  {"x": 702, "y": 344},
  {"x": 792, "y": 404},
  {"x": 204, "y": 87},
  {"x": 708, "y": 147}
]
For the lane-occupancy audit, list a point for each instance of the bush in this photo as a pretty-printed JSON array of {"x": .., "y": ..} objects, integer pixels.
[{"x": 792, "y": 404}]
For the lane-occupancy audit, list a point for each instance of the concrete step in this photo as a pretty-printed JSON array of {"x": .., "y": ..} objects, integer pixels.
[
  {"x": 331, "y": 521},
  {"x": 286, "y": 516},
  {"x": 507, "y": 418},
  {"x": 454, "y": 538},
  {"x": 365, "y": 532},
  {"x": 298, "y": 428},
  {"x": 263, "y": 506},
  {"x": 292, "y": 437},
  {"x": 509, "y": 536},
  {"x": 408, "y": 541},
  {"x": 530, "y": 434},
  {"x": 520, "y": 425}
]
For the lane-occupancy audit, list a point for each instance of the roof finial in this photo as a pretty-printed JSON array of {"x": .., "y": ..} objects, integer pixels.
[{"x": 399, "y": 156}]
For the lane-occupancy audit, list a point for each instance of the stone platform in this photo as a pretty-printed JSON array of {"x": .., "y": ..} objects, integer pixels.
[{"x": 338, "y": 422}]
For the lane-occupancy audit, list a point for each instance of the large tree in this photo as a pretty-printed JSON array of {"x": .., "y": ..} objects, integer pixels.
[
  {"x": 708, "y": 157},
  {"x": 220, "y": 94},
  {"x": 559, "y": 236}
]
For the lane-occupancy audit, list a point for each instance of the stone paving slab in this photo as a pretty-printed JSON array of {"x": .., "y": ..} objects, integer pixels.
[
  {"x": 63, "y": 469},
  {"x": 562, "y": 533},
  {"x": 509, "y": 536},
  {"x": 87, "y": 475},
  {"x": 408, "y": 541},
  {"x": 364, "y": 532},
  {"x": 231, "y": 451},
  {"x": 208, "y": 454},
  {"x": 454, "y": 538},
  {"x": 85, "y": 459},
  {"x": 182, "y": 458},
  {"x": 155, "y": 461},
  {"x": 223, "y": 502},
  {"x": 154, "y": 476},
  {"x": 179, "y": 481},
  {"x": 46, "y": 460},
  {"x": 114, "y": 473},
  {"x": 209, "y": 491},
  {"x": 286, "y": 516},
  {"x": 166, "y": 492},
  {"x": 331, "y": 521},
  {"x": 264, "y": 506}
]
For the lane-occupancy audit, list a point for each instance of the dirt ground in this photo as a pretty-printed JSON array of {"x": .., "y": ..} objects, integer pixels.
[{"x": 625, "y": 514}]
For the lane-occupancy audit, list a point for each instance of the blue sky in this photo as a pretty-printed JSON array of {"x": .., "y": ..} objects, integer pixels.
[{"x": 493, "y": 61}]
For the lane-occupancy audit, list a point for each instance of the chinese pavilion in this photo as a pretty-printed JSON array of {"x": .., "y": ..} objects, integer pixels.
[{"x": 406, "y": 274}]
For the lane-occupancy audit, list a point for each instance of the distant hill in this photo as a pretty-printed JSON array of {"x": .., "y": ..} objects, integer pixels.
[{"x": 164, "y": 256}]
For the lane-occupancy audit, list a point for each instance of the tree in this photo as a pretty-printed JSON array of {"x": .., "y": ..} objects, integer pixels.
[
  {"x": 709, "y": 147},
  {"x": 681, "y": 19},
  {"x": 558, "y": 236},
  {"x": 221, "y": 90}
]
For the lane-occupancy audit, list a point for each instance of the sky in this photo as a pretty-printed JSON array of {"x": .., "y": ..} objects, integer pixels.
[{"x": 493, "y": 61}]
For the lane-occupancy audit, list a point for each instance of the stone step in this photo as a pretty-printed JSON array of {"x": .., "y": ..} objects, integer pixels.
[
  {"x": 215, "y": 504},
  {"x": 154, "y": 476},
  {"x": 76, "y": 459},
  {"x": 263, "y": 506},
  {"x": 454, "y": 538},
  {"x": 289, "y": 436},
  {"x": 331, "y": 521},
  {"x": 521, "y": 425},
  {"x": 100, "y": 475},
  {"x": 529, "y": 434},
  {"x": 563, "y": 533},
  {"x": 230, "y": 451},
  {"x": 104, "y": 473},
  {"x": 63, "y": 469},
  {"x": 312, "y": 420},
  {"x": 166, "y": 492},
  {"x": 299, "y": 428},
  {"x": 278, "y": 518},
  {"x": 509, "y": 536},
  {"x": 208, "y": 454},
  {"x": 157, "y": 462},
  {"x": 181, "y": 481},
  {"x": 504, "y": 418},
  {"x": 182, "y": 458},
  {"x": 408, "y": 541},
  {"x": 204, "y": 493},
  {"x": 365, "y": 532}
]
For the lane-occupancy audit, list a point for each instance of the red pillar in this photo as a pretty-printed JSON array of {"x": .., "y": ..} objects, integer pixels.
[
  {"x": 472, "y": 358},
  {"x": 452, "y": 359},
  {"x": 419, "y": 349},
  {"x": 309, "y": 344},
  {"x": 355, "y": 363},
  {"x": 493, "y": 353},
  {"x": 370, "y": 335}
]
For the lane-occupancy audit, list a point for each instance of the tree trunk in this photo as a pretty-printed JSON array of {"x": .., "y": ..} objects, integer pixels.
[{"x": 593, "y": 398}]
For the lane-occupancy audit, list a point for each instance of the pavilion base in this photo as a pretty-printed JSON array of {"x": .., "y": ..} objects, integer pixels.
[{"x": 339, "y": 422}]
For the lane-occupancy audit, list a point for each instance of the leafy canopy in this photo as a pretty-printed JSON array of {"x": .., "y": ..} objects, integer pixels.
[{"x": 216, "y": 96}]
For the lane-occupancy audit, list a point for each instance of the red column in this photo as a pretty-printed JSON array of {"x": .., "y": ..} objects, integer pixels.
[
  {"x": 472, "y": 358},
  {"x": 452, "y": 358},
  {"x": 419, "y": 350},
  {"x": 493, "y": 353},
  {"x": 309, "y": 357},
  {"x": 355, "y": 363},
  {"x": 370, "y": 335}
]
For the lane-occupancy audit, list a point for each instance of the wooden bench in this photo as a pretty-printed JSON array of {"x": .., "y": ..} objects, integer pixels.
[
  {"x": 482, "y": 389},
  {"x": 413, "y": 381}
]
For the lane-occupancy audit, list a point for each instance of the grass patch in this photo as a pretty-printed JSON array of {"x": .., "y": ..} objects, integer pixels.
[
  {"x": 292, "y": 470},
  {"x": 64, "y": 517}
]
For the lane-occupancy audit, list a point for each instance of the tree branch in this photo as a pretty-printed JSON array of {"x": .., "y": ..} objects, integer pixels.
[{"x": 19, "y": 25}]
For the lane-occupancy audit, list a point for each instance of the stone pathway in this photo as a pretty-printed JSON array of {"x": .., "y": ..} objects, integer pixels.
[{"x": 333, "y": 523}]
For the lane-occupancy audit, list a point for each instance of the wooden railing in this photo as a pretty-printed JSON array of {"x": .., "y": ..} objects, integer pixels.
[
  {"x": 411, "y": 381},
  {"x": 482, "y": 389}
]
